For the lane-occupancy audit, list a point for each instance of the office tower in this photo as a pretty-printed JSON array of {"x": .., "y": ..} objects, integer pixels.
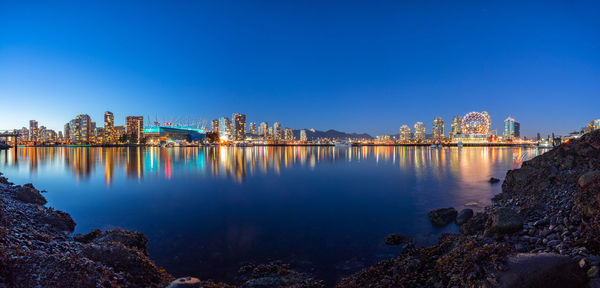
[
  {"x": 253, "y": 128},
  {"x": 67, "y": 132},
  {"x": 263, "y": 129},
  {"x": 512, "y": 128},
  {"x": 215, "y": 126},
  {"x": 135, "y": 128},
  {"x": 288, "y": 134},
  {"x": 277, "y": 131},
  {"x": 33, "y": 130},
  {"x": 419, "y": 131},
  {"x": 109, "y": 128},
  {"x": 405, "y": 134},
  {"x": 239, "y": 126},
  {"x": 303, "y": 135},
  {"x": 224, "y": 128},
  {"x": 437, "y": 129}
]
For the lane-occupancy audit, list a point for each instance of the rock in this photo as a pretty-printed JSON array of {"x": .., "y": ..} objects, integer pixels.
[
  {"x": 28, "y": 194},
  {"x": 185, "y": 282},
  {"x": 87, "y": 237},
  {"x": 474, "y": 225},
  {"x": 130, "y": 239},
  {"x": 494, "y": 180},
  {"x": 505, "y": 220},
  {"x": 442, "y": 216},
  {"x": 587, "y": 198},
  {"x": 59, "y": 220},
  {"x": 592, "y": 272},
  {"x": 396, "y": 239},
  {"x": 542, "y": 270},
  {"x": 464, "y": 215},
  {"x": 588, "y": 178}
]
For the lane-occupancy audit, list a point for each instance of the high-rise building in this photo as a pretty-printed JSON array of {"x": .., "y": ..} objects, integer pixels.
[
  {"x": 437, "y": 129},
  {"x": 135, "y": 128},
  {"x": 239, "y": 126},
  {"x": 85, "y": 128},
  {"x": 270, "y": 132},
  {"x": 67, "y": 132},
  {"x": 224, "y": 128},
  {"x": 109, "y": 128},
  {"x": 512, "y": 128},
  {"x": 405, "y": 134},
  {"x": 288, "y": 134},
  {"x": 42, "y": 134},
  {"x": 60, "y": 136},
  {"x": 456, "y": 127},
  {"x": 303, "y": 135},
  {"x": 253, "y": 128},
  {"x": 277, "y": 131},
  {"x": 33, "y": 130},
  {"x": 419, "y": 132},
  {"x": 215, "y": 126},
  {"x": 263, "y": 129},
  {"x": 24, "y": 134}
]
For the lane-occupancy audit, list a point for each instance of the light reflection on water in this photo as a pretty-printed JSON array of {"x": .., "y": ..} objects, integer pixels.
[{"x": 208, "y": 209}]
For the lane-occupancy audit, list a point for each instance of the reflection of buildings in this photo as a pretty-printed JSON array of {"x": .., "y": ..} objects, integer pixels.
[{"x": 134, "y": 167}]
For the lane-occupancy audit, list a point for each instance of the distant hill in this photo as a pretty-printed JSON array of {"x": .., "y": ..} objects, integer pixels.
[{"x": 331, "y": 134}]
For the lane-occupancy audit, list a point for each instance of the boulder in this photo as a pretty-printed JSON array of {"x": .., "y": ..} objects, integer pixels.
[
  {"x": 186, "y": 282},
  {"x": 542, "y": 270},
  {"x": 87, "y": 237},
  {"x": 505, "y": 220},
  {"x": 588, "y": 178},
  {"x": 28, "y": 194},
  {"x": 59, "y": 220},
  {"x": 464, "y": 215},
  {"x": 442, "y": 216},
  {"x": 397, "y": 239}
]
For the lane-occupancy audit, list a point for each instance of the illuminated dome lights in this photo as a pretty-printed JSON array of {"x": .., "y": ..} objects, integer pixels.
[{"x": 475, "y": 123}]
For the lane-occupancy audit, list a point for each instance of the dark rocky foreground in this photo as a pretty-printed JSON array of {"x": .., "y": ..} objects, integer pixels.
[{"x": 543, "y": 230}]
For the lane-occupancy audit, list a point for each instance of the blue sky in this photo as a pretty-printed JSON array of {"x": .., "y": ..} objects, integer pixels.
[{"x": 357, "y": 66}]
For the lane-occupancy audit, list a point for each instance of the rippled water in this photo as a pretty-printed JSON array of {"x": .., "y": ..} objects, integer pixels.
[{"x": 208, "y": 210}]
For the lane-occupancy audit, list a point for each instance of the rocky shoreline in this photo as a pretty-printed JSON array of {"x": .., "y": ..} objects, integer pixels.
[{"x": 543, "y": 230}]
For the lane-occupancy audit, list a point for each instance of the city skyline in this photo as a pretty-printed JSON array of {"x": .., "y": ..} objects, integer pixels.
[{"x": 363, "y": 67}]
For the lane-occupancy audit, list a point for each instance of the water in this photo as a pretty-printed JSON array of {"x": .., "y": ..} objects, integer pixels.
[{"x": 206, "y": 211}]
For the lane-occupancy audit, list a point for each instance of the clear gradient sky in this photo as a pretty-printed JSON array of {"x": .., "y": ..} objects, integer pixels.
[{"x": 355, "y": 66}]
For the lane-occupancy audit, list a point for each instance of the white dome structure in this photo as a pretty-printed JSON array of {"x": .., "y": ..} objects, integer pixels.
[{"x": 475, "y": 123}]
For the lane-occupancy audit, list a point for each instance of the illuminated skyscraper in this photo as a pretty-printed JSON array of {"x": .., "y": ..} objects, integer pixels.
[
  {"x": 239, "y": 126},
  {"x": 80, "y": 129},
  {"x": 224, "y": 128},
  {"x": 303, "y": 135},
  {"x": 405, "y": 134},
  {"x": 253, "y": 128},
  {"x": 456, "y": 126},
  {"x": 24, "y": 134},
  {"x": 277, "y": 131},
  {"x": 109, "y": 127},
  {"x": 33, "y": 130},
  {"x": 263, "y": 129},
  {"x": 215, "y": 126},
  {"x": 135, "y": 128},
  {"x": 512, "y": 128},
  {"x": 437, "y": 129},
  {"x": 288, "y": 134},
  {"x": 419, "y": 132},
  {"x": 67, "y": 132}
]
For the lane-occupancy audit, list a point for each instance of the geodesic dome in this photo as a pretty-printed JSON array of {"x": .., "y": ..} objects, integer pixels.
[{"x": 475, "y": 123}]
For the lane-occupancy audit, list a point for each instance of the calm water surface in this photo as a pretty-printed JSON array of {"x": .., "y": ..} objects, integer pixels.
[{"x": 206, "y": 211}]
